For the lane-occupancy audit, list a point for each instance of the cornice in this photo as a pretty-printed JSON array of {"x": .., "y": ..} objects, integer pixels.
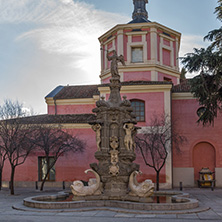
[
  {"x": 66, "y": 125},
  {"x": 138, "y": 88},
  {"x": 143, "y": 67},
  {"x": 182, "y": 96},
  {"x": 81, "y": 101},
  {"x": 140, "y": 25},
  {"x": 76, "y": 126},
  {"x": 109, "y": 40}
]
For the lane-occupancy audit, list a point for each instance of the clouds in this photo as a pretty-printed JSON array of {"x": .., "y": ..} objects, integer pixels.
[
  {"x": 188, "y": 43},
  {"x": 70, "y": 28},
  {"x": 50, "y": 42},
  {"x": 25, "y": 10},
  {"x": 46, "y": 43}
]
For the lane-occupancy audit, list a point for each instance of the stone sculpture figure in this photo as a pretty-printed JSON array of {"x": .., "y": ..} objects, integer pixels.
[
  {"x": 144, "y": 189},
  {"x": 128, "y": 140},
  {"x": 114, "y": 63},
  {"x": 93, "y": 188},
  {"x": 97, "y": 129}
]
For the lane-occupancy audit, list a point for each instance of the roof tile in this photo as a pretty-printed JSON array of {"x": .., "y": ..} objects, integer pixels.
[
  {"x": 184, "y": 86},
  {"x": 58, "y": 119}
]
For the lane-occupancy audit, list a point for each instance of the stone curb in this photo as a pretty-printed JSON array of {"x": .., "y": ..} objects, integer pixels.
[
  {"x": 21, "y": 207},
  {"x": 182, "y": 203}
]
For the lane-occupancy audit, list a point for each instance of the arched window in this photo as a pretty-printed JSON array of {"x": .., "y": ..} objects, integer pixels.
[{"x": 138, "y": 109}]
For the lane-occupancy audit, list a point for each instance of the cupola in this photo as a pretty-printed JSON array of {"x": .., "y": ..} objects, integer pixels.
[{"x": 150, "y": 50}]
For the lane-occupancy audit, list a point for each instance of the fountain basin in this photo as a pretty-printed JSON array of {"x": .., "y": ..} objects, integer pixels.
[{"x": 180, "y": 201}]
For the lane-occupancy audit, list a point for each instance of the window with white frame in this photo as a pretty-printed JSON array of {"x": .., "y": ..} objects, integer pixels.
[{"x": 136, "y": 54}]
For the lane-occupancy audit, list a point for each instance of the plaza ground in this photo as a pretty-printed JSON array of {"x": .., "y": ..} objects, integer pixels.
[{"x": 211, "y": 200}]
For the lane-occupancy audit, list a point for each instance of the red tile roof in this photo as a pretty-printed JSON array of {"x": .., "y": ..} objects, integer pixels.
[
  {"x": 58, "y": 119},
  {"x": 184, "y": 86},
  {"x": 74, "y": 92},
  {"x": 88, "y": 91}
]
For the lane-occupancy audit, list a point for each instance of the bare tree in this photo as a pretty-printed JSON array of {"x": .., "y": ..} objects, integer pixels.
[
  {"x": 3, "y": 157},
  {"x": 55, "y": 142},
  {"x": 154, "y": 143},
  {"x": 15, "y": 137}
]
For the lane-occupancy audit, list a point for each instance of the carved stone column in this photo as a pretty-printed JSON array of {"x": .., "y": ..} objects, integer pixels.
[{"x": 115, "y": 159}]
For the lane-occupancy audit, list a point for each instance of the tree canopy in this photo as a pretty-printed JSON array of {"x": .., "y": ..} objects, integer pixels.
[{"x": 207, "y": 86}]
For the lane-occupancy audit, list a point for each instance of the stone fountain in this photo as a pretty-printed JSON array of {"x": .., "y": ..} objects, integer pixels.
[
  {"x": 115, "y": 130},
  {"x": 115, "y": 184}
]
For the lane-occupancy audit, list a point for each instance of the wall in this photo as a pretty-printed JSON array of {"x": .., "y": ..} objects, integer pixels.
[
  {"x": 71, "y": 109},
  {"x": 70, "y": 167},
  {"x": 184, "y": 113}
]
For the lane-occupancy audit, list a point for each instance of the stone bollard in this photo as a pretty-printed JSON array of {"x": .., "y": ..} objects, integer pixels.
[
  {"x": 36, "y": 185},
  {"x": 181, "y": 186}
]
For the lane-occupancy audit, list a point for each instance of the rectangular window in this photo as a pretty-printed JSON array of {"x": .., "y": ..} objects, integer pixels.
[
  {"x": 137, "y": 54},
  {"x": 138, "y": 109},
  {"x": 166, "y": 57},
  {"x": 43, "y": 167}
]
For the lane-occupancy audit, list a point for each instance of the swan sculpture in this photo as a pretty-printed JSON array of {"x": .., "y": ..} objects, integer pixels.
[
  {"x": 144, "y": 189},
  {"x": 93, "y": 188}
]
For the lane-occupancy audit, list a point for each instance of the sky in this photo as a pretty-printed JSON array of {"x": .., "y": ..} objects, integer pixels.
[{"x": 46, "y": 43}]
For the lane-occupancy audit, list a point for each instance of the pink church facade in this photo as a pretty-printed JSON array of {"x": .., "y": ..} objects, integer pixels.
[{"x": 150, "y": 79}]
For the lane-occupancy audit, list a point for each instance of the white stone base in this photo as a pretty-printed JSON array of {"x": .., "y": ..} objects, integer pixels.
[
  {"x": 218, "y": 177},
  {"x": 184, "y": 175}
]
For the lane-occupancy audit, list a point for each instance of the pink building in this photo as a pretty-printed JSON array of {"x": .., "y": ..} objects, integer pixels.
[{"x": 151, "y": 81}]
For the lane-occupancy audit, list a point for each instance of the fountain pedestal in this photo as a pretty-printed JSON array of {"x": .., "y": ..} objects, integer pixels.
[{"x": 115, "y": 134}]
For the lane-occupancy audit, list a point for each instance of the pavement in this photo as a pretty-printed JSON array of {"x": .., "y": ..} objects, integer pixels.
[{"x": 210, "y": 209}]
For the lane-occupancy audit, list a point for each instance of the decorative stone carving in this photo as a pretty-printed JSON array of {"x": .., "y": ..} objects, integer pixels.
[
  {"x": 114, "y": 116},
  {"x": 128, "y": 140},
  {"x": 102, "y": 102},
  {"x": 114, "y": 170},
  {"x": 93, "y": 188},
  {"x": 114, "y": 143},
  {"x": 97, "y": 129},
  {"x": 144, "y": 189},
  {"x": 125, "y": 102},
  {"x": 114, "y": 159}
]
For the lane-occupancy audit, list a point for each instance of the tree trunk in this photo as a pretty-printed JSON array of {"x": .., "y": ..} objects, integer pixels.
[
  {"x": 0, "y": 179},
  {"x": 42, "y": 184},
  {"x": 44, "y": 180},
  {"x": 12, "y": 180},
  {"x": 157, "y": 180},
  {"x": 48, "y": 171}
]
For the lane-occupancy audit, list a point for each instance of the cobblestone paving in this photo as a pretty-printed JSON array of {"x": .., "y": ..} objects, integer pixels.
[{"x": 207, "y": 198}]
